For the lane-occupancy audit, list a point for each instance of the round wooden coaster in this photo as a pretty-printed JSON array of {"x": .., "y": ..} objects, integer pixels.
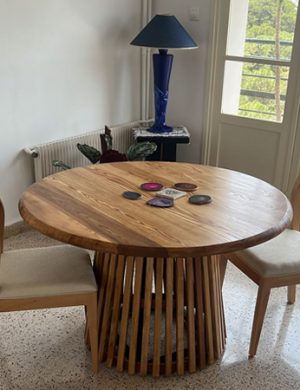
[
  {"x": 151, "y": 186},
  {"x": 187, "y": 187},
  {"x": 200, "y": 199},
  {"x": 131, "y": 195},
  {"x": 160, "y": 202}
]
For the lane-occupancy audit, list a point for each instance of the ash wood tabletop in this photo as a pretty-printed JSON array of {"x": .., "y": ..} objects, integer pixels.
[{"x": 85, "y": 207}]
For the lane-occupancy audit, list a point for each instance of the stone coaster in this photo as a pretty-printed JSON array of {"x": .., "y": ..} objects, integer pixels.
[
  {"x": 170, "y": 193},
  {"x": 160, "y": 202},
  {"x": 151, "y": 186},
  {"x": 131, "y": 195},
  {"x": 187, "y": 187},
  {"x": 200, "y": 199}
]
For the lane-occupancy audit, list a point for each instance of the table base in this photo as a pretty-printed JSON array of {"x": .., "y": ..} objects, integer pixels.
[{"x": 159, "y": 315}]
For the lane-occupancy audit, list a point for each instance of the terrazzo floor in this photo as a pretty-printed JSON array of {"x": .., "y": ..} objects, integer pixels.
[{"x": 45, "y": 349}]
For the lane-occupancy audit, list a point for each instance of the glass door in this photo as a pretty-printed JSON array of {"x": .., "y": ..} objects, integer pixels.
[{"x": 255, "y": 88}]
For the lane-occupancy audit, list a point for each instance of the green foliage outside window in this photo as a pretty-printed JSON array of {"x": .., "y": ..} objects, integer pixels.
[{"x": 273, "y": 23}]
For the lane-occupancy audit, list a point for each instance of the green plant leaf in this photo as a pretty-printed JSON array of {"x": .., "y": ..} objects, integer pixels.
[
  {"x": 140, "y": 150},
  {"x": 60, "y": 164},
  {"x": 89, "y": 152}
]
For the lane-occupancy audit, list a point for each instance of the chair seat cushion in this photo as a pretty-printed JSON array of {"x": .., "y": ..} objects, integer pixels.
[
  {"x": 277, "y": 257},
  {"x": 44, "y": 272}
]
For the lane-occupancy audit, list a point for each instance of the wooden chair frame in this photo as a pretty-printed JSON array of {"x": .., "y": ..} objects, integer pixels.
[
  {"x": 266, "y": 283},
  {"x": 89, "y": 300}
]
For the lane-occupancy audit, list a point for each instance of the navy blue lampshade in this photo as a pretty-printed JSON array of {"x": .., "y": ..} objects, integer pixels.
[{"x": 164, "y": 32}]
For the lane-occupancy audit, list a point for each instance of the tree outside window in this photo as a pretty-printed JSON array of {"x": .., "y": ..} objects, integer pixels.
[{"x": 269, "y": 35}]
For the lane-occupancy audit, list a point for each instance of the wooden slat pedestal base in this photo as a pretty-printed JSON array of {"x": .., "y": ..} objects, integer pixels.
[{"x": 159, "y": 315}]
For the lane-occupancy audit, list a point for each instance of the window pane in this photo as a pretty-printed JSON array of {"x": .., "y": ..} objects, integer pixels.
[
  {"x": 262, "y": 28},
  {"x": 254, "y": 90}
]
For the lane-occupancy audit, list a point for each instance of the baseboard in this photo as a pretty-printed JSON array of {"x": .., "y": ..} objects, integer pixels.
[{"x": 16, "y": 228}]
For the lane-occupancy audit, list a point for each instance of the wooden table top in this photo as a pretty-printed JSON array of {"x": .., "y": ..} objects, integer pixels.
[{"x": 85, "y": 207}]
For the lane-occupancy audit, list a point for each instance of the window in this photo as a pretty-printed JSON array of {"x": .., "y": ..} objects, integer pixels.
[{"x": 258, "y": 57}]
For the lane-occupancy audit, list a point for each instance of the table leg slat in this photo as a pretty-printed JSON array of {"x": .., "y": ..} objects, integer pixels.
[
  {"x": 220, "y": 303},
  {"x": 191, "y": 314},
  {"x": 107, "y": 307},
  {"x": 147, "y": 314},
  {"x": 169, "y": 314},
  {"x": 102, "y": 289},
  {"x": 157, "y": 316},
  {"x": 200, "y": 312},
  {"x": 135, "y": 314},
  {"x": 115, "y": 311},
  {"x": 180, "y": 316},
  {"x": 208, "y": 311},
  {"x": 125, "y": 312}
]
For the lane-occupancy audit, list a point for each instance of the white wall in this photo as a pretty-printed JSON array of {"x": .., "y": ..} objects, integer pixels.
[
  {"x": 66, "y": 67},
  {"x": 187, "y": 84}
]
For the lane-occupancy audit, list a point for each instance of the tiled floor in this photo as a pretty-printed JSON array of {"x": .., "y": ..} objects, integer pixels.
[{"x": 45, "y": 349}]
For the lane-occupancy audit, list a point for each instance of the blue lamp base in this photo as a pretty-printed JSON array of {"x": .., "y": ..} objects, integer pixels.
[{"x": 162, "y": 66}]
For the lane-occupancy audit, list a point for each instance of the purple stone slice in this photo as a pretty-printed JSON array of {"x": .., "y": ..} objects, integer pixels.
[{"x": 160, "y": 202}]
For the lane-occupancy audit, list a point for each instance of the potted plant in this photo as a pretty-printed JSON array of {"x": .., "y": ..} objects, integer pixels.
[{"x": 138, "y": 151}]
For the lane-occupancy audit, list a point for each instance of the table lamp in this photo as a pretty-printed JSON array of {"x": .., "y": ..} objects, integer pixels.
[{"x": 163, "y": 32}]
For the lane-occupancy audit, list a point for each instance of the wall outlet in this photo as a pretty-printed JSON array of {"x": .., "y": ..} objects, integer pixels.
[{"x": 194, "y": 13}]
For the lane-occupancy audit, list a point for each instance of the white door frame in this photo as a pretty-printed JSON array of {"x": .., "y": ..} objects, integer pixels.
[
  {"x": 211, "y": 66},
  {"x": 145, "y": 64}
]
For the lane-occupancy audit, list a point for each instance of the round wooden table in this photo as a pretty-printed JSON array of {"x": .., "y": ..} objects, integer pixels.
[{"x": 160, "y": 299}]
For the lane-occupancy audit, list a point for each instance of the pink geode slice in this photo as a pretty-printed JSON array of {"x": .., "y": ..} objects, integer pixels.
[{"x": 151, "y": 186}]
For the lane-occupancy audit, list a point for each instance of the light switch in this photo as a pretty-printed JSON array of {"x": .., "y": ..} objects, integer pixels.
[{"x": 194, "y": 13}]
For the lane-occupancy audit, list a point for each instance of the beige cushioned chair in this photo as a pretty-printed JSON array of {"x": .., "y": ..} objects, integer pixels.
[
  {"x": 275, "y": 263},
  {"x": 57, "y": 276}
]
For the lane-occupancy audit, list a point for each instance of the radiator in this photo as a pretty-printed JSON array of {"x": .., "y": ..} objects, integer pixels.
[{"x": 66, "y": 150}]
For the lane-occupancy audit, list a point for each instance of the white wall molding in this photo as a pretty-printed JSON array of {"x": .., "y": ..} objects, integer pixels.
[
  {"x": 292, "y": 166},
  {"x": 145, "y": 64},
  {"x": 210, "y": 81}
]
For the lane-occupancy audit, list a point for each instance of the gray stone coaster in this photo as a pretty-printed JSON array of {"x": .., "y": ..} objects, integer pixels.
[
  {"x": 200, "y": 199},
  {"x": 131, "y": 195}
]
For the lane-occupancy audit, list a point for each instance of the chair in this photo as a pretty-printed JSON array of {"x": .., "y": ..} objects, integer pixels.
[
  {"x": 39, "y": 278},
  {"x": 275, "y": 263}
]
